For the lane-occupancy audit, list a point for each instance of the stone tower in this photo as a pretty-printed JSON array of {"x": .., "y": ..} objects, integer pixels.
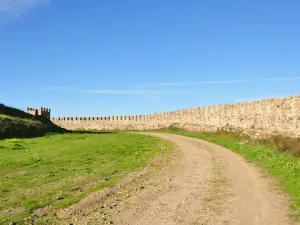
[{"x": 39, "y": 112}]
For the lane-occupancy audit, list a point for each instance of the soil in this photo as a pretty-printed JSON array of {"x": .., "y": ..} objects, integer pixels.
[{"x": 202, "y": 183}]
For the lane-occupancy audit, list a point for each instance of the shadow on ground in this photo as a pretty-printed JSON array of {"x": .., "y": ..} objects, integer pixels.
[{"x": 15, "y": 123}]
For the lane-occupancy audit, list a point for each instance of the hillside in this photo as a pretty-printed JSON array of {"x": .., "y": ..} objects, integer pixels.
[{"x": 15, "y": 123}]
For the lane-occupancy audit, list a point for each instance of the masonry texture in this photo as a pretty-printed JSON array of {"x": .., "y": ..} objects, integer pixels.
[
  {"x": 272, "y": 116},
  {"x": 39, "y": 112}
]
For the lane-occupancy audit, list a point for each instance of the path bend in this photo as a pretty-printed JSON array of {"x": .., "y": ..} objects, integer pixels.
[{"x": 212, "y": 185}]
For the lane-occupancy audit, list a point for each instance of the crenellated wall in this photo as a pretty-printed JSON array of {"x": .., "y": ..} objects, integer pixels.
[
  {"x": 271, "y": 116},
  {"x": 41, "y": 112}
]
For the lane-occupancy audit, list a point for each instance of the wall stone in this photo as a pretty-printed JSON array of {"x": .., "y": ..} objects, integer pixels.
[
  {"x": 272, "y": 116},
  {"x": 41, "y": 111}
]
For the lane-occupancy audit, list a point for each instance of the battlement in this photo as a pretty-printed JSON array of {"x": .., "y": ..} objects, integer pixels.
[
  {"x": 107, "y": 118},
  {"x": 39, "y": 112},
  {"x": 269, "y": 116}
]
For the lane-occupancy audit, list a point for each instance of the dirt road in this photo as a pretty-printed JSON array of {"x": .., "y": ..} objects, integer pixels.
[
  {"x": 208, "y": 185},
  {"x": 213, "y": 186}
]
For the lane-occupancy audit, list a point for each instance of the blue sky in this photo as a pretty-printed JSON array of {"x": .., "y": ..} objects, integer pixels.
[{"x": 116, "y": 57}]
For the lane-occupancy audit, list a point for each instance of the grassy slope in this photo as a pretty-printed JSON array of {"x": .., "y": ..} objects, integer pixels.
[
  {"x": 16, "y": 123},
  {"x": 20, "y": 120},
  {"x": 36, "y": 172},
  {"x": 285, "y": 166}
]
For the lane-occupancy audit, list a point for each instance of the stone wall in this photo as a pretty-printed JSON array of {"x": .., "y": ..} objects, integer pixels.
[
  {"x": 39, "y": 112},
  {"x": 271, "y": 116}
]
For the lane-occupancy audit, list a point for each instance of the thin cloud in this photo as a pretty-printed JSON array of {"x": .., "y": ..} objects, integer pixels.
[
  {"x": 222, "y": 81},
  {"x": 280, "y": 79},
  {"x": 133, "y": 92},
  {"x": 213, "y": 82},
  {"x": 190, "y": 83},
  {"x": 150, "y": 93},
  {"x": 16, "y": 8}
]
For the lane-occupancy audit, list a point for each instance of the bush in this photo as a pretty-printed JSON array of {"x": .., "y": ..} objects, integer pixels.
[{"x": 286, "y": 144}]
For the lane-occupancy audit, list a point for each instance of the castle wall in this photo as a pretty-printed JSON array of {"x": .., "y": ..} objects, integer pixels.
[
  {"x": 38, "y": 112},
  {"x": 271, "y": 116},
  {"x": 32, "y": 111}
]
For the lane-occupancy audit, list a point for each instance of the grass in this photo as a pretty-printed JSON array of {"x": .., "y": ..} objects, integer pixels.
[
  {"x": 25, "y": 125},
  {"x": 61, "y": 169},
  {"x": 277, "y": 155},
  {"x": 285, "y": 144},
  {"x": 3, "y": 116}
]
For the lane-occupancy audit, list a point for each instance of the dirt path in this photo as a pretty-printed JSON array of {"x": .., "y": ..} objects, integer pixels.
[
  {"x": 213, "y": 186},
  {"x": 209, "y": 185}
]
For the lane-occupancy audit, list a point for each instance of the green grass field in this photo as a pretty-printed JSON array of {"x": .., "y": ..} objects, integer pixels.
[
  {"x": 279, "y": 163},
  {"x": 60, "y": 169}
]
